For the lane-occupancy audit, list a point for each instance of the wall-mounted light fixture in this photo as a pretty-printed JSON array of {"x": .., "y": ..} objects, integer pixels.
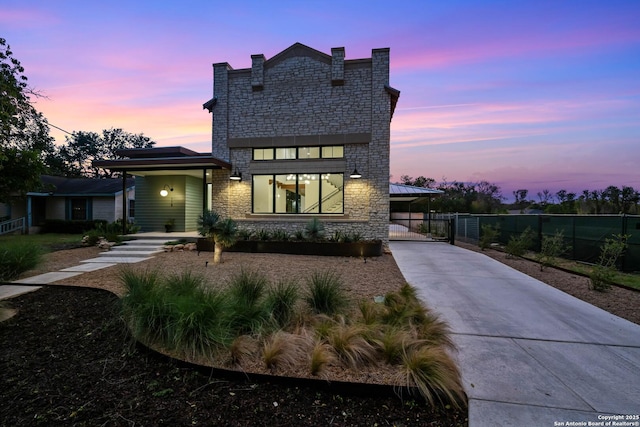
[
  {"x": 355, "y": 174},
  {"x": 236, "y": 176},
  {"x": 164, "y": 192}
]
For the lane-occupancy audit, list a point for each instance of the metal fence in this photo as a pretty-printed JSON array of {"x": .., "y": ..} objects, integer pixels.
[
  {"x": 418, "y": 226},
  {"x": 583, "y": 234}
]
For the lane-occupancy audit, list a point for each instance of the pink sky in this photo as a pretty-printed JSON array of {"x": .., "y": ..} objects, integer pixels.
[{"x": 532, "y": 94}]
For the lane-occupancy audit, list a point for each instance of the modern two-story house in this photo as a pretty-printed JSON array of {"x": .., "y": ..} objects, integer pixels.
[{"x": 300, "y": 135}]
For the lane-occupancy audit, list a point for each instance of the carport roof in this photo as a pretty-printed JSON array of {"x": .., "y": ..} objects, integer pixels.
[{"x": 407, "y": 193}]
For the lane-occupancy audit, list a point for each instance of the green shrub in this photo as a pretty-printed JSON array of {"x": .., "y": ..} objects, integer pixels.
[
  {"x": 602, "y": 274},
  {"x": 244, "y": 234},
  {"x": 326, "y": 294},
  {"x": 314, "y": 230},
  {"x": 93, "y": 236},
  {"x": 263, "y": 234},
  {"x": 280, "y": 235},
  {"x": 551, "y": 248},
  {"x": 281, "y": 302},
  {"x": 489, "y": 235},
  {"x": 519, "y": 245},
  {"x": 246, "y": 301},
  {"x": 17, "y": 257}
]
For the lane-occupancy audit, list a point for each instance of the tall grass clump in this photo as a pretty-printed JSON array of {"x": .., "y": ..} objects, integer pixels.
[
  {"x": 326, "y": 293},
  {"x": 434, "y": 373},
  {"x": 246, "y": 301},
  {"x": 17, "y": 257},
  {"x": 351, "y": 344},
  {"x": 281, "y": 302}
]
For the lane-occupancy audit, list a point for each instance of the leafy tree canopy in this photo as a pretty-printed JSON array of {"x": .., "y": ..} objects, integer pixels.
[
  {"x": 24, "y": 132},
  {"x": 75, "y": 157}
]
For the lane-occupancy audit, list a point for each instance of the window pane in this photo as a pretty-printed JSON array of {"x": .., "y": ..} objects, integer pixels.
[
  {"x": 287, "y": 200},
  {"x": 79, "y": 209},
  {"x": 263, "y": 154},
  {"x": 332, "y": 193},
  {"x": 309, "y": 189},
  {"x": 309, "y": 152},
  {"x": 263, "y": 193},
  {"x": 286, "y": 153},
  {"x": 333, "y": 152}
]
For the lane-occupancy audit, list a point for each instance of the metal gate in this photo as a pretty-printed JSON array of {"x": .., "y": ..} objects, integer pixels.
[{"x": 417, "y": 226}]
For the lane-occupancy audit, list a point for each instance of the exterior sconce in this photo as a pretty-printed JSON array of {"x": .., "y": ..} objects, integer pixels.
[
  {"x": 236, "y": 176},
  {"x": 164, "y": 192},
  {"x": 355, "y": 174}
]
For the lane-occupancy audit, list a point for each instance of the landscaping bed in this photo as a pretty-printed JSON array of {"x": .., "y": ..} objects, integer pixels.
[{"x": 71, "y": 362}]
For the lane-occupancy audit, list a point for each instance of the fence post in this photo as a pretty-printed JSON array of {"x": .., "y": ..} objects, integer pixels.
[{"x": 452, "y": 234}]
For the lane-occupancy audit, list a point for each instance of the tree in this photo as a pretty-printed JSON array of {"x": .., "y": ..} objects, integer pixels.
[
  {"x": 24, "y": 132},
  {"x": 75, "y": 158},
  {"x": 222, "y": 232},
  {"x": 420, "y": 181}
]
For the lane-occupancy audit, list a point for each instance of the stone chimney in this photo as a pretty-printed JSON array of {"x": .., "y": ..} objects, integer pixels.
[
  {"x": 337, "y": 66},
  {"x": 257, "y": 72}
]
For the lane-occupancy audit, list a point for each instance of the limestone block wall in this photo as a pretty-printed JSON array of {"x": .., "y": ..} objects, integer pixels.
[{"x": 302, "y": 97}]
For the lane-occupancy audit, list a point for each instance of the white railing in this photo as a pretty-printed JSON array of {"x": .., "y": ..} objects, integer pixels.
[{"x": 12, "y": 226}]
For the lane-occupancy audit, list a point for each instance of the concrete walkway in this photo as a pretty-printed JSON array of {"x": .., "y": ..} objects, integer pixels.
[
  {"x": 530, "y": 354},
  {"x": 130, "y": 252}
]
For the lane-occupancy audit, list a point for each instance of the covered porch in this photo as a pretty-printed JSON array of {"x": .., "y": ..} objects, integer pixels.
[{"x": 174, "y": 185}]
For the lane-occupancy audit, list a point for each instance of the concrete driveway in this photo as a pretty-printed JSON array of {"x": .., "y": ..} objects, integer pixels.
[{"x": 530, "y": 355}]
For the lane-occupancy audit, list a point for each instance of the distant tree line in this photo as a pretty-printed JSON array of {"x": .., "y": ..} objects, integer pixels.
[
  {"x": 611, "y": 200},
  {"x": 485, "y": 197}
]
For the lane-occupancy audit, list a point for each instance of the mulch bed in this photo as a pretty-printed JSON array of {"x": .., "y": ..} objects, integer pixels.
[{"x": 67, "y": 359}]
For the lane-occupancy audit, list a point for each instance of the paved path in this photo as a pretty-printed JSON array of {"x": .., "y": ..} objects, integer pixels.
[
  {"x": 131, "y": 252},
  {"x": 530, "y": 354}
]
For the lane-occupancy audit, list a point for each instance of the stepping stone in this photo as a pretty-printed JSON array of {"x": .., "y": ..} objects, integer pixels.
[
  {"x": 90, "y": 266},
  {"x": 45, "y": 278},
  {"x": 10, "y": 291},
  {"x": 117, "y": 260}
]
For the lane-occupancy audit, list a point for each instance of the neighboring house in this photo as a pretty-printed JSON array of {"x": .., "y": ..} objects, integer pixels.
[
  {"x": 287, "y": 136},
  {"x": 73, "y": 199}
]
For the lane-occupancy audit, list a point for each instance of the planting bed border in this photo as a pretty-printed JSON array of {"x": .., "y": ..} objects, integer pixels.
[
  {"x": 365, "y": 249},
  {"x": 339, "y": 387}
]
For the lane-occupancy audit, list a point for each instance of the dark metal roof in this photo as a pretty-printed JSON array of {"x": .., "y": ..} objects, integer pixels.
[
  {"x": 400, "y": 192},
  {"x": 61, "y": 186},
  {"x": 155, "y": 159}
]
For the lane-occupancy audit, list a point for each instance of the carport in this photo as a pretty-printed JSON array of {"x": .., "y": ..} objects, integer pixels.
[{"x": 409, "y": 223}]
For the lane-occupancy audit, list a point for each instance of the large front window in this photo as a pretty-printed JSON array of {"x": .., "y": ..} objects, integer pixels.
[{"x": 311, "y": 193}]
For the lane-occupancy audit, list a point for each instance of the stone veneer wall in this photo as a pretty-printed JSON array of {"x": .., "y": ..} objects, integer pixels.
[{"x": 300, "y": 93}]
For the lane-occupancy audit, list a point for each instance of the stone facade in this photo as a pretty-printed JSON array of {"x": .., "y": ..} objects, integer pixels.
[{"x": 301, "y": 98}]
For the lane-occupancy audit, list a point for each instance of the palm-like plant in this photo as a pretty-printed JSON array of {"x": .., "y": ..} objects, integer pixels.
[{"x": 222, "y": 232}]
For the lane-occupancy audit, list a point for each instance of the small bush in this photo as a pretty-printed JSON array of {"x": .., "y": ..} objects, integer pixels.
[
  {"x": 602, "y": 274},
  {"x": 518, "y": 246},
  {"x": 242, "y": 347},
  {"x": 489, "y": 235},
  {"x": 326, "y": 294},
  {"x": 246, "y": 294},
  {"x": 17, "y": 257},
  {"x": 283, "y": 349},
  {"x": 314, "y": 230},
  {"x": 551, "y": 248},
  {"x": 244, "y": 234},
  {"x": 280, "y": 235},
  {"x": 263, "y": 234}
]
